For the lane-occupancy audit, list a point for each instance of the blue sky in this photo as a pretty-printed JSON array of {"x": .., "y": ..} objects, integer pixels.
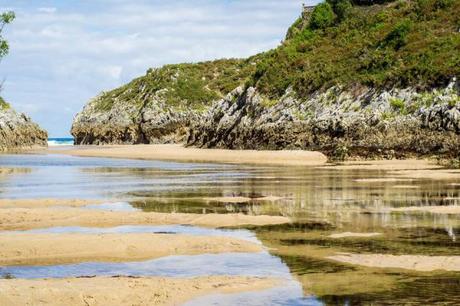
[{"x": 64, "y": 52}]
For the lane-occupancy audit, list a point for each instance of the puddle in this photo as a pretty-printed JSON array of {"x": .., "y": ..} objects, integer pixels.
[{"x": 117, "y": 206}]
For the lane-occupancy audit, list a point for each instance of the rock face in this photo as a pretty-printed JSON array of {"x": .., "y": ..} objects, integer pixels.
[
  {"x": 17, "y": 131},
  {"x": 340, "y": 122},
  {"x": 151, "y": 122},
  {"x": 355, "y": 122}
]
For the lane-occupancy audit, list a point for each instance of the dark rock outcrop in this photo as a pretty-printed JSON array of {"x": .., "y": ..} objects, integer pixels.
[{"x": 356, "y": 122}]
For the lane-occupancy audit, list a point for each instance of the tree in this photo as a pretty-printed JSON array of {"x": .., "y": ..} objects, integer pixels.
[{"x": 5, "y": 18}]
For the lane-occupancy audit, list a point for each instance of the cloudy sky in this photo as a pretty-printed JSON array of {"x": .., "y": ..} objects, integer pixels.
[{"x": 64, "y": 52}]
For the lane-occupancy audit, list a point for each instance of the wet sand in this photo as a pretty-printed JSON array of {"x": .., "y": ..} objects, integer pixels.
[
  {"x": 21, "y": 218},
  {"x": 408, "y": 262},
  {"x": 123, "y": 290},
  {"x": 171, "y": 152},
  {"x": 34, "y": 203},
  {"x": 54, "y": 249}
]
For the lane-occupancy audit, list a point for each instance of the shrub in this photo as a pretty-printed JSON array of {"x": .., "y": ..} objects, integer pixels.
[
  {"x": 322, "y": 16},
  {"x": 397, "y": 38},
  {"x": 397, "y": 104},
  {"x": 341, "y": 8}
]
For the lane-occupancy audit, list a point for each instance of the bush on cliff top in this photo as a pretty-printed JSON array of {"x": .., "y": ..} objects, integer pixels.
[{"x": 3, "y": 104}]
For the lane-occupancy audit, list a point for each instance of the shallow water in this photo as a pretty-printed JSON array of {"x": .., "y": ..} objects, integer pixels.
[{"x": 321, "y": 201}]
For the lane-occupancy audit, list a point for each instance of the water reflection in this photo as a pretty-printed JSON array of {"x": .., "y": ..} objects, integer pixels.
[{"x": 321, "y": 201}]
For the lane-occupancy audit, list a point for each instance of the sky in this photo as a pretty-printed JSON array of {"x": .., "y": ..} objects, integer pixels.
[{"x": 64, "y": 52}]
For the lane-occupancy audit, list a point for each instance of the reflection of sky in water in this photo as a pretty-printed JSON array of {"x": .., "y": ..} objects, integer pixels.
[
  {"x": 58, "y": 176},
  {"x": 127, "y": 229},
  {"x": 247, "y": 264},
  {"x": 250, "y": 264}
]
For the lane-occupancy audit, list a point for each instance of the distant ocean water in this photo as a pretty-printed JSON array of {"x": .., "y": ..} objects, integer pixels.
[{"x": 52, "y": 142}]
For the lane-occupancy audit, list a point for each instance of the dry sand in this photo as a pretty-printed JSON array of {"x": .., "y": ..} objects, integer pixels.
[
  {"x": 350, "y": 234},
  {"x": 448, "y": 209},
  {"x": 21, "y": 218},
  {"x": 53, "y": 249},
  {"x": 34, "y": 203},
  {"x": 180, "y": 153},
  {"x": 409, "y": 262},
  {"x": 123, "y": 290}
]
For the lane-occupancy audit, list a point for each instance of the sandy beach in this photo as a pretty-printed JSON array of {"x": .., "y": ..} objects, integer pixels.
[
  {"x": 22, "y": 218},
  {"x": 409, "y": 262},
  {"x": 123, "y": 290},
  {"x": 53, "y": 249},
  {"x": 34, "y": 203},
  {"x": 179, "y": 153}
]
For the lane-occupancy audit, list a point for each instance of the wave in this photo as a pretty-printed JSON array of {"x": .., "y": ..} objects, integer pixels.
[{"x": 52, "y": 142}]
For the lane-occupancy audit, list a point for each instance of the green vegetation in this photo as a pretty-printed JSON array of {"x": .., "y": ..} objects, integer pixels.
[
  {"x": 3, "y": 104},
  {"x": 396, "y": 44},
  {"x": 5, "y": 18},
  {"x": 322, "y": 16},
  {"x": 381, "y": 44},
  {"x": 180, "y": 85}
]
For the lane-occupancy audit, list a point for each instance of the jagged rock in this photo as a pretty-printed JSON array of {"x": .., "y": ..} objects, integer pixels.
[
  {"x": 361, "y": 121},
  {"x": 17, "y": 131}
]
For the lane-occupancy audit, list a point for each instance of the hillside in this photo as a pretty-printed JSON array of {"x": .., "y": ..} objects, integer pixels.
[{"x": 357, "y": 79}]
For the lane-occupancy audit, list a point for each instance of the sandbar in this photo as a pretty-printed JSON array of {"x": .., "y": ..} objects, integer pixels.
[
  {"x": 174, "y": 152},
  {"x": 30, "y": 218},
  {"x": 408, "y": 262},
  {"x": 33, "y": 203},
  {"x": 124, "y": 290},
  {"x": 53, "y": 249}
]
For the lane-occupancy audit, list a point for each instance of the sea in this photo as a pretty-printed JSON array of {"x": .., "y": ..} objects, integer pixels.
[{"x": 52, "y": 142}]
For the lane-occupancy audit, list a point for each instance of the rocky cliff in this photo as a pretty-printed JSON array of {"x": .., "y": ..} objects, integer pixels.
[
  {"x": 17, "y": 131},
  {"x": 378, "y": 80}
]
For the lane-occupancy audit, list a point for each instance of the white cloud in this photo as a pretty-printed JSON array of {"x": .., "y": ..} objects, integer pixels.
[
  {"x": 48, "y": 10},
  {"x": 65, "y": 52}
]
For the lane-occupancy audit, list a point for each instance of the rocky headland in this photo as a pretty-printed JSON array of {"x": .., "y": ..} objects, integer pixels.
[
  {"x": 376, "y": 80},
  {"x": 17, "y": 131}
]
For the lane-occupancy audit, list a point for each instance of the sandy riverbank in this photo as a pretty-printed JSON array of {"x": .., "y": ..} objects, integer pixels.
[
  {"x": 171, "y": 152},
  {"x": 35, "y": 203},
  {"x": 409, "y": 262},
  {"x": 21, "y": 218},
  {"x": 123, "y": 290},
  {"x": 52, "y": 249}
]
